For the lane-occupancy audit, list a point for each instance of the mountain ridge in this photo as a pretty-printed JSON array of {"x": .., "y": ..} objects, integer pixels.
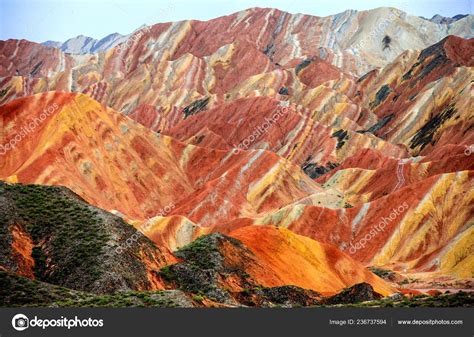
[{"x": 237, "y": 153}]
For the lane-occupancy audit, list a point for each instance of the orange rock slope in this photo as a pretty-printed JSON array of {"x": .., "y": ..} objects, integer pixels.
[
  {"x": 119, "y": 165},
  {"x": 288, "y": 258}
]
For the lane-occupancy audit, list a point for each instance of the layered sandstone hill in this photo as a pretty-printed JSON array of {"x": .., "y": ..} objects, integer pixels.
[
  {"x": 173, "y": 64},
  {"x": 117, "y": 164},
  {"x": 222, "y": 267},
  {"x": 265, "y": 139},
  {"x": 54, "y": 237},
  {"x": 222, "y": 190}
]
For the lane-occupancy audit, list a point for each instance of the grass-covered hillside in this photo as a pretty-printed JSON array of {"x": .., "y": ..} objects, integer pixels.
[{"x": 51, "y": 234}]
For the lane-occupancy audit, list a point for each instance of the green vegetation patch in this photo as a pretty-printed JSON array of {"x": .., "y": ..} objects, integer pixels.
[
  {"x": 67, "y": 234},
  {"x": 18, "y": 291}
]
